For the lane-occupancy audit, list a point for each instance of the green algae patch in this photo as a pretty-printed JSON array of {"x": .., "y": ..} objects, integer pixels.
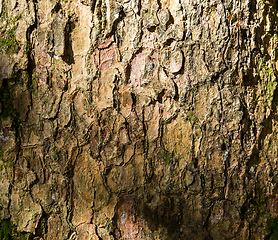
[
  {"x": 167, "y": 158},
  {"x": 8, "y": 231},
  {"x": 8, "y": 42},
  {"x": 272, "y": 229}
]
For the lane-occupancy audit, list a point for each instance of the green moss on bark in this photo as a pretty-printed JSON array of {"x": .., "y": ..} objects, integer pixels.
[
  {"x": 272, "y": 229},
  {"x": 8, "y": 42},
  {"x": 8, "y": 231}
]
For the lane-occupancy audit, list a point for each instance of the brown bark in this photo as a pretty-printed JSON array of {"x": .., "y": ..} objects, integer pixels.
[{"x": 139, "y": 119}]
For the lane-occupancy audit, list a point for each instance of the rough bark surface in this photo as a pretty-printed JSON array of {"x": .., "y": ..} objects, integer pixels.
[{"x": 139, "y": 119}]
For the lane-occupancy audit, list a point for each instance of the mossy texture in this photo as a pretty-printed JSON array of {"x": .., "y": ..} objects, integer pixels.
[
  {"x": 8, "y": 42},
  {"x": 8, "y": 231},
  {"x": 272, "y": 228}
]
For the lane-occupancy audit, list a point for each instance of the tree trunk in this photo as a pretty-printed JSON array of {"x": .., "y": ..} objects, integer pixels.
[{"x": 139, "y": 119}]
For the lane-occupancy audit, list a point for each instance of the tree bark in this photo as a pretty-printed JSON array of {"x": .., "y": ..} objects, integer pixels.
[{"x": 139, "y": 119}]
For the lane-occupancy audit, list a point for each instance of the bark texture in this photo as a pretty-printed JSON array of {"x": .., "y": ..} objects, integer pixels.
[{"x": 139, "y": 119}]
